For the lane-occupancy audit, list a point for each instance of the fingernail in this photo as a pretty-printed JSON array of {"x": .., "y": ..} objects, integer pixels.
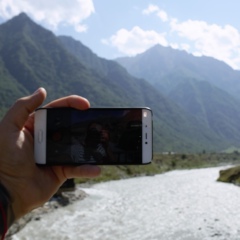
[{"x": 38, "y": 90}]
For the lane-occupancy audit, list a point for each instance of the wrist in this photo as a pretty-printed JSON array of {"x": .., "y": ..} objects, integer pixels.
[{"x": 6, "y": 212}]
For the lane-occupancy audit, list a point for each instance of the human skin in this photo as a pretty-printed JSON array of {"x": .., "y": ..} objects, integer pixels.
[{"x": 29, "y": 185}]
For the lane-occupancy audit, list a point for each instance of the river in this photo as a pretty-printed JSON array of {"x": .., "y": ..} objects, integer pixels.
[{"x": 178, "y": 205}]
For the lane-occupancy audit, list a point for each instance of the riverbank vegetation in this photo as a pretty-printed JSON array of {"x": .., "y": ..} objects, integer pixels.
[{"x": 166, "y": 162}]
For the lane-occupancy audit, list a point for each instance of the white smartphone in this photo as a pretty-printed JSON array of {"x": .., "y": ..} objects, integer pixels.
[{"x": 101, "y": 136}]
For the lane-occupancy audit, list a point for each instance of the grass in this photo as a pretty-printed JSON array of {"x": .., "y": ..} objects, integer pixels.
[{"x": 165, "y": 162}]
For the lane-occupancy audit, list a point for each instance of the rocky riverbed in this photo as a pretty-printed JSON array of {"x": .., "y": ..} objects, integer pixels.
[
  {"x": 59, "y": 200},
  {"x": 179, "y": 205}
]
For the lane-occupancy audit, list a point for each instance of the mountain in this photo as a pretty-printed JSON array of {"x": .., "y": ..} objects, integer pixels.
[
  {"x": 31, "y": 56},
  {"x": 86, "y": 55},
  {"x": 173, "y": 119},
  {"x": 34, "y": 57},
  {"x": 204, "y": 87},
  {"x": 165, "y": 68},
  {"x": 213, "y": 106}
]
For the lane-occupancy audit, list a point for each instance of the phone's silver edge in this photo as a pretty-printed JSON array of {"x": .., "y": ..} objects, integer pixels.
[
  {"x": 146, "y": 136},
  {"x": 40, "y": 136},
  {"x": 40, "y": 132}
]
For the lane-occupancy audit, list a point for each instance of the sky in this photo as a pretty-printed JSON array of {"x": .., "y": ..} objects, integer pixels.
[{"x": 116, "y": 28}]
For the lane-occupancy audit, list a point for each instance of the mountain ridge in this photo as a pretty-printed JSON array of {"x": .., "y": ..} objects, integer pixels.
[
  {"x": 191, "y": 85},
  {"x": 28, "y": 60},
  {"x": 165, "y": 61}
]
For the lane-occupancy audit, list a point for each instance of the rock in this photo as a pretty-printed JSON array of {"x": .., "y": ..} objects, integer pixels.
[{"x": 230, "y": 175}]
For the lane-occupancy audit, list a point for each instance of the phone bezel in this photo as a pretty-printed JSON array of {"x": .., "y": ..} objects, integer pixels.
[
  {"x": 41, "y": 128},
  {"x": 147, "y": 136}
]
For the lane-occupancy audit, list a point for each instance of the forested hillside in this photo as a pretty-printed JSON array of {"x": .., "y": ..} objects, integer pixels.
[{"x": 31, "y": 56}]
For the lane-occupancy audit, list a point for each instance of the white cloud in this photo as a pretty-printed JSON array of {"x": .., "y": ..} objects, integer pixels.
[
  {"x": 155, "y": 9},
  {"x": 53, "y": 13},
  {"x": 185, "y": 46},
  {"x": 135, "y": 41},
  {"x": 150, "y": 9},
  {"x": 220, "y": 42},
  {"x": 201, "y": 38},
  {"x": 162, "y": 15}
]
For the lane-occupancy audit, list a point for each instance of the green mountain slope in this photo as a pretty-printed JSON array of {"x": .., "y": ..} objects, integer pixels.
[
  {"x": 166, "y": 67},
  {"x": 176, "y": 127},
  {"x": 9, "y": 89},
  {"x": 213, "y": 106},
  {"x": 202, "y": 86},
  {"x": 32, "y": 56}
]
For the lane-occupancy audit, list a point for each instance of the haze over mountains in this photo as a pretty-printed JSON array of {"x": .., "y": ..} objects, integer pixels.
[
  {"x": 166, "y": 68},
  {"x": 204, "y": 87},
  {"x": 191, "y": 111}
]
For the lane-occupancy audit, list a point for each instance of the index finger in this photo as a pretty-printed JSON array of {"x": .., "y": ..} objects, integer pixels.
[{"x": 72, "y": 101}]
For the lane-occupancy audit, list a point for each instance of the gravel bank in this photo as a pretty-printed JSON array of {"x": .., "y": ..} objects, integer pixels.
[{"x": 58, "y": 201}]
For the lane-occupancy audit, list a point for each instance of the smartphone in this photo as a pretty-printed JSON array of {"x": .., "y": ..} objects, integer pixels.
[{"x": 101, "y": 136}]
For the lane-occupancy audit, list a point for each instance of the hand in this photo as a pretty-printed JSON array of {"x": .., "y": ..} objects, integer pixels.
[{"x": 29, "y": 185}]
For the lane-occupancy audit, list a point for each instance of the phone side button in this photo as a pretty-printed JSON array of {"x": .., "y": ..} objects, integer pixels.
[{"x": 40, "y": 136}]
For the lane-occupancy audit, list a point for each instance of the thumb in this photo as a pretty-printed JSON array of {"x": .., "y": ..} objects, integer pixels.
[{"x": 23, "y": 107}]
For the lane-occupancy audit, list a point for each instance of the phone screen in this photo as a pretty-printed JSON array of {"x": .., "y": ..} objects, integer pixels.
[{"x": 94, "y": 136}]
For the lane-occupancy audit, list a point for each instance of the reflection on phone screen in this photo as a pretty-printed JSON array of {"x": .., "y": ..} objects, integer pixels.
[{"x": 96, "y": 136}]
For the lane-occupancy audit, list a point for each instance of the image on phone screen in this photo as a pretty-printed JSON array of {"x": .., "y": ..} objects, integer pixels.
[{"x": 95, "y": 136}]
